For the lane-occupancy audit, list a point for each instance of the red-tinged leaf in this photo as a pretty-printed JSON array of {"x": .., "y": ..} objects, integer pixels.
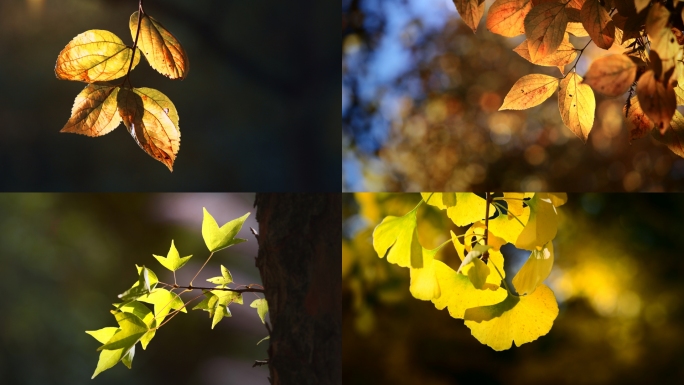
[
  {"x": 507, "y": 17},
  {"x": 598, "y": 23},
  {"x": 674, "y": 137},
  {"x": 577, "y": 105},
  {"x": 657, "y": 100},
  {"x": 545, "y": 28},
  {"x": 94, "y": 112},
  {"x": 641, "y": 124},
  {"x": 611, "y": 75},
  {"x": 471, "y": 12},
  {"x": 565, "y": 54},
  {"x": 529, "y": 91}
]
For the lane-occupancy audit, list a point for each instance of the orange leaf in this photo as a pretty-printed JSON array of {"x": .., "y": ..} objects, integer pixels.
[
  {"x": 642, "y": 124},
  {"x": 471, "y": 12},
  {"x": 506, "y": 17},
  {"x": 657, "y": 99},
  {"x": 565, "y": 54},
  {"x": 545, "y": 27},
  {"x": 94, "y": 112},
  {"x": 598, "y": 23},
  {"x": 529, "y": 91},
  {"x": 611, "y": 75},
  {"x": 674, "y": 137},
  {"x": 161, "y": 49},
  {"x": 577, "y": 105},
  {"x": 149, "y": 123},
  {"x": 577, "y": 29}
]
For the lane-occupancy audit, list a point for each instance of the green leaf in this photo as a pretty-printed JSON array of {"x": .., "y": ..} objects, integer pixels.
[
  {"x": 147, "y": 281},
  {"x": 172, "y": 261},
  {"x": 207, "y": 304},
  {"x": 219, "y": 313},
  {"x": 224, "y": 280},
  {"x": 397, "y": 238},
  {"x": 224, "y": 298},
  {"x": 103, "y": 335},
  {"x": 128, "y": 357},
  {"x": 108, "y": 358},
  {"x": 262, "y": 307},
  {"x": 219, "y": 238},
  {"x": 131, "y": 330},
  {"x": 164, "y": 301},
  {"x": 264, "y": 339}
]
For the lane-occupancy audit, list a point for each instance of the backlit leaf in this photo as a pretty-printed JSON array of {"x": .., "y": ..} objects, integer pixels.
[
  {"x": 95, "y": 55},
  {"x": 173, "y": 261},
  {"x": 218, "y": 238},
  {"x": 545, "y": 27},
  {"x": 94, "y": 112},
  {"x": 542, "y": 225},
  {"x": 657, "y": 100},
  {"x": 598, "y": 23},
  {"x": 471, "y": 12},
  {"x": 495, "y": 258},
  {"x": 577, "y": 105},
  {"x": 424, "y": 285},
  {"x": 535, "y": 270},
  {"x": 397, "y": 238},
  {"x": 663, "y": 41},
  {"x": 108, "y": 358},
  {"x": 262, "y": 307},
  {"x": 520, "y": 320},
  {"x": 673, "y": 138},
  {"x": 576, "y": 29},
  {"x": 529, "y": 91},
  {"x": 642, "y": 124},
  {"x": 131, "y": 329},
  {"x": 103, "y": 335},
  {"x": 224, "y": 279},
  {"x": 507, "y": 17},
  {"x": 565, "y": 54},
  {"x": 161, "y": 49},
  {"x": 611, "y": 75},
  {"x": 466, "y": 208}
]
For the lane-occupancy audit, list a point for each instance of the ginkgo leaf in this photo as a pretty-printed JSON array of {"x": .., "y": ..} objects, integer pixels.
[
  {"x": 471, "y": 12},
  {"x": 149, "y": 124},
  {"x": 509, "y": 228},
  {"x": 262, "y": 308},
  {"x": 545, "y": 27},
  {"x": 465, "y": 208},
  {"x": 161, "y": 49},
  {"x": 507, "y": 17},
  {"x": 598, "y": 23},
  {"x": 475, "y": 253},
  {"x": 495, "y": 258},
  {"x": 478, "y": 273},
  {"x": 514, "y": 202},
  {"x": 224, "y": 279},
  {"x": 529, "y": 91},
  {"x": 611, "y": 75},
  {"x": 673, "y": 138},
  {"x": 95, "y": 55},
  {"x": 397, "y": 238},
  {"x": 424, "y": 284},
  {"x": 557, "y": 199},
  {"x": 478, "y": 229},
  {"x": 173, "y": 261},
  {"x": 577, "y": 105},
  {"x": 535, "y": 270},
  {"x": 218, "y": 238},
  {"x": 565, "y": 54},
  {"x": 542, "y": 225},
  {"x": 131, "y": 329},
  {"x": 94, "y": 112},
  {"x": 657, "y": 100},
  {"x": 459, "y": 294},
  {"x": 642, "y": 124},
  {"x": 516, "y": 319}
]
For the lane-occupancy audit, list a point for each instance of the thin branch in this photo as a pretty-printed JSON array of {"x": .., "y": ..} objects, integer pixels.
[
  {"x": 488, "y": 197},
  {"x": 248, "y": 289}
]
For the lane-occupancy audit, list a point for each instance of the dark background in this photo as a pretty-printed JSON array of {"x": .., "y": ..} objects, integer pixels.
[
  {"x": 65, "y": 257},
  {"x": 258, "y": 109},
  {"x": 617, "y": 278}
]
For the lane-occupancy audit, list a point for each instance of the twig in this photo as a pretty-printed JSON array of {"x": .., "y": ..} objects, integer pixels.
[
  {"x": 248, "y": 289},
  {"x": 488, "y": 196},
  {"x": 260, "y": 362}
]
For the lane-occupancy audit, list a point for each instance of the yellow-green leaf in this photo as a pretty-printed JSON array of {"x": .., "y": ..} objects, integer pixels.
[
  {"x": 95, "y": 55},
  {"x": 535, "y": 270},
  {"x": 262, "y": 308},
  {"x": 529, "y": 91},
  {"x": 103, "y": 335},
  {"x": 577, "y": 105},
  {"x": 172, "y": 261},
  {"x": 161, "y": 49},
  {"x": 218, "y": 238},
  {"x": 94, "y": 112},
  {"x": 397, "y": 238},
  {"x": 520, "y": 320}
]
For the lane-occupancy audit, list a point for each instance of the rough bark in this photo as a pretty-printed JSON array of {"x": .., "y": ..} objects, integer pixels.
[{"x": 300, "y": 260}]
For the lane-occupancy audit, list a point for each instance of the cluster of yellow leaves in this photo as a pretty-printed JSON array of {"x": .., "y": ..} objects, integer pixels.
[
  {"x": 657, "y": 71},
  {"x": 473, "y": 291},
  {"x": 98, "y": 56}
]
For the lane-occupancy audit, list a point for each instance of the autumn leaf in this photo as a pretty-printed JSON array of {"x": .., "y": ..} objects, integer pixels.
[
  {"x": 663, "y": 40},
  {"x": 507, "y": 17},
  {"x": 545, "y": 28},
  {"x": 565, "y": 54},
  {"x": 147, "y": 120},
  {"x": 424, "y": 285},
  {"x": 641, "y": 4},
  {"x": 94, "y": 112},
  {"x": 673, "y": 138},
  {"x": 161, "y": 49},
  {"x": 598, "y": 23},
  {"x": 535, "y": 270},
  {"x": 642, "y": 124},
  {"x": 542, "y": 225},
  {"x": 529, "y": 91},
  {"x": 471, "y": 12},
  {"x": 577, "y": 105},
  {"x": 576, "y": 29},
  {"x": 611, "y": 75},
  {"x": 397, "y": 238},
  {"x": 462, "y": 208},
  {"x": 95, "y": 55},
  {"x": 658, "y": 100}
]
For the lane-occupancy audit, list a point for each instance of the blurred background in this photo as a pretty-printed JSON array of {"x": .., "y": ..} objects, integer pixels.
[
  {"x": 258, "y": 109},
  {"x": 420, "y": 100},
  {"x": 64, "y": 259},
  {"x": 617, "y": 279}
]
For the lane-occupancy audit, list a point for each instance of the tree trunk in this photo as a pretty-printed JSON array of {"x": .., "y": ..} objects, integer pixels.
[{"x": 300, "y": 260}]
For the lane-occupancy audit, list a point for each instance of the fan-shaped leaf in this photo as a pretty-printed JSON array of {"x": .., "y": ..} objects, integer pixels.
[{"x": 535, "y": 270}]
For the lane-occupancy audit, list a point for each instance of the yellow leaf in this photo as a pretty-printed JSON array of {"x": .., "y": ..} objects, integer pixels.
[
  {"x": 515, "y": 203},
  {"x": 459, "y": 294},
  {"x": 545, "y": 27},
  {"x": 94, "y": 112},
  {"x": 507, "y": 17},
  {"x": 520, "y": 320},
  {"x": 462, "y": 208},
  {"x": 478, "y": 228},
  {"x": 495, "y": 258},
  {"x": 471, "y": 12},
  {"x": 657, "y": 100},
  {"x": 535, "y": 270},
  {"x": 565, "y": 54},
  {"x": 558, "y": 199},
  {"x": 424, "y": 285},
  {"x": 147, "y": 120},
  {"x": 598, "y": 23},
  {"x": 576, "y": 29},
  {"x": 95, "y": 55},
  {"x": 611, "y": 75},
  {"x": 508, "y": 228},
  {"x": 542, "y": 225},
  {"x": 577, "y": 105},
  {"x": 397, "y": 237},
  {"x": 663, "y": 41},
  {"x": 161, "y": 49},
  {"x": 641, "y": 4},
  {"x": 529, "y": 91}
]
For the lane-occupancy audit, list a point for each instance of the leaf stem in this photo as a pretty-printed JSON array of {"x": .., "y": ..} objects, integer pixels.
[
  {"x": 489, "y": 198},
  {"x": 205, "y": 263},
  {"x": 577, "y": 60},
  {"x": 135, "y": 44}
]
